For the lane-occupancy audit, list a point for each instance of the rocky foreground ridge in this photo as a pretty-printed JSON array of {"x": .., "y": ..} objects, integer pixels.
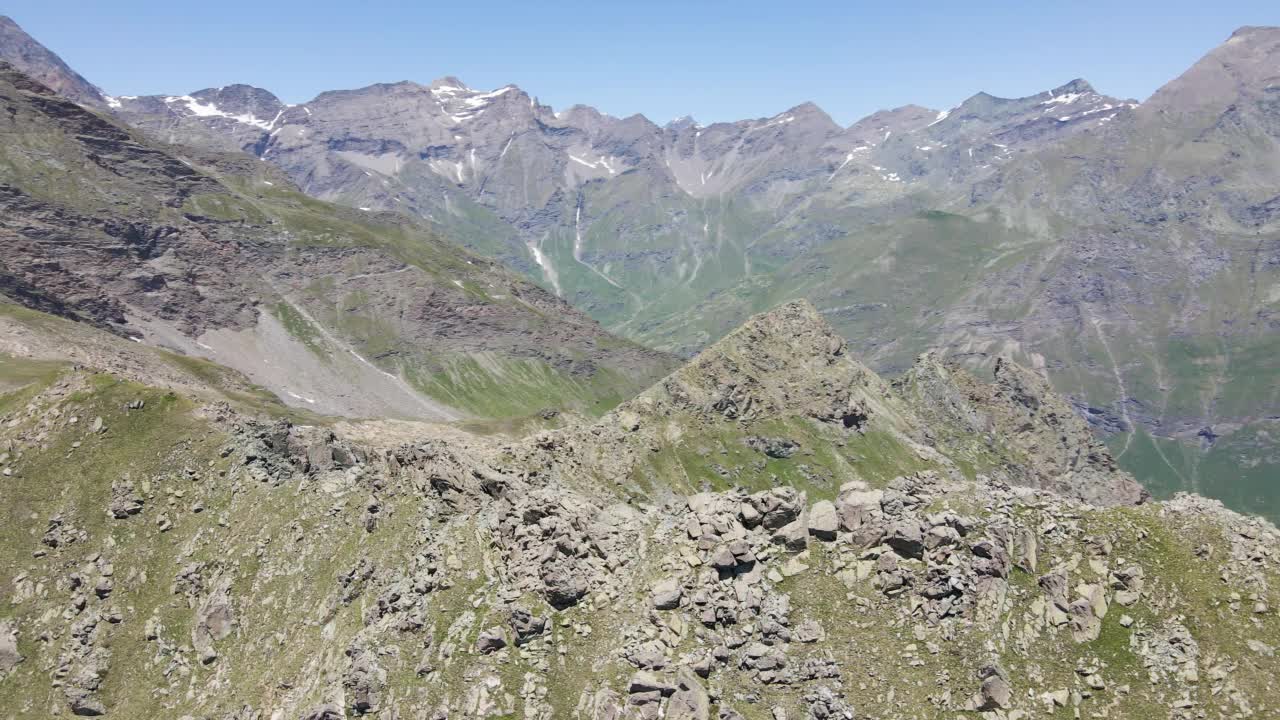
[{"x": 770, "y": 532}]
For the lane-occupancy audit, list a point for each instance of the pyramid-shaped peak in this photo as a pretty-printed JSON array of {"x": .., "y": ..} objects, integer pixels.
[
  {"x": 449, "y": 81},
  {"x": 1078, "y": 86},
  {"x": 796, "y": 316},
  {"x": 42, "y": 65},
  {"x": 787, "y": 361}
]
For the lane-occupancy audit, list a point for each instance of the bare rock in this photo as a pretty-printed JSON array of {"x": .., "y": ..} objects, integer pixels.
[
  {"x": 823, "y": 521},
  {"x": 9, "y": 655},
  {"x": 214, "y": 620},
  {"x": 490, "y": 641},
  {"x": 667, "y": 594},
  {"x": 906, "y": 539},
  {"x": 526, "y": 625},
  {"x": 995, "y": 693},
  {"x": 793, "y": 536},
  {"x": 690, "y": 700}
]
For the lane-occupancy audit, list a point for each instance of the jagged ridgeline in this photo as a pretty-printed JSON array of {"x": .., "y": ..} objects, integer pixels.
[
  {"x": 1133, "y": 246},
  {"x": 772, "y": 531},
  {"x": 335, "y": 310}
]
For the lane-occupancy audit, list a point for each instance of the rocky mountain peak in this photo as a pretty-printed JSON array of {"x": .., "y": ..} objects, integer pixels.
[
  {"x": 684, "y": 122},
  {"x": 42, "y": 65},
  {"x": 793, "y": 330},
  {"x": 1254, "y": 33},
  {"x": 784, "y": 362},
  {"x": 448, "y": 81},
  {"x": 242, "y": 99},
  {"x": 1243, "y": 67},
  {"x": 1079, "y": 86}
]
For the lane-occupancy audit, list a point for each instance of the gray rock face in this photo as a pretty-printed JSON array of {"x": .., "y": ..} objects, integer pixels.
[
  {"x": 214, "y": 621},
  {"x": 33, "y": 59},
  {"x": 9, "y": 655},
  {"x": 526, "y": 625},
  {"x": 1022, "y": 413},
  {"x": 364, "y": 681}
]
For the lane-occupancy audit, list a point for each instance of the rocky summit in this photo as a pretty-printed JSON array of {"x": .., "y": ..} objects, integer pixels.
[{"x": 317, "y": 411}]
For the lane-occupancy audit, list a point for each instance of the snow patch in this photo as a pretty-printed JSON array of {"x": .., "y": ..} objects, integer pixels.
[
  {"x": 547, "y": 270},
  {"x": 779, "y": 120},
  {"x": 1066, "y": 99},
  {"x": 603, "y": 163},
  {"x": 202, "y": 109},
  {"x": 295, "y": 395},
  {"x": 847, "y": 158}
]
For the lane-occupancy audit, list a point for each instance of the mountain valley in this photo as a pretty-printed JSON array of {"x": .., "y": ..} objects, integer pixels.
[
  {"x": 1131, "y": 247},
  {"x": 422, "y": 401}
]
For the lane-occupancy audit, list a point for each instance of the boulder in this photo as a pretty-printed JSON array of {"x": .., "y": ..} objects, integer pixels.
[
  {"x": 690, "y": 700},
  {"x": 526, "y": 625},
  {"x": 793, "y": 537},
  {"x": 646, "y": 682},
  {"x": 125, "y": 501},
  {"x": 328, "y": 711},
  {"x": 906, "y": 539},
  {"x": 364, "y": 681},
  {"x": 1085, "y": 624},
  {"x": 490, "y": 641},
  {"x": 9, "y": 655},
  {"x": 774, "y": 447},
  {"x": 666, "y": 594},
  {"x": 563, "y": 586},
  {"x": 214, "y": 621},
  {"x": 995, "y": 693},
  {"x": 823, "y": 521}
]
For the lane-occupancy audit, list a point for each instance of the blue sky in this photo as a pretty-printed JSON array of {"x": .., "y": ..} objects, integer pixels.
[{"x": 713, "y": 60}]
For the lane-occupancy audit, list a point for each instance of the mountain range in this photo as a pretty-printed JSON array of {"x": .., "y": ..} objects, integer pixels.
[
  {"x": 264, "y": 455},
  {"x": 1129, "y": 248},
  {"x": 339, "y": 311}
]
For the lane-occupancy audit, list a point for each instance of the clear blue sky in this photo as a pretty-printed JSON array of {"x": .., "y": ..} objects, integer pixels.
[{"x": 714, "y": 60}]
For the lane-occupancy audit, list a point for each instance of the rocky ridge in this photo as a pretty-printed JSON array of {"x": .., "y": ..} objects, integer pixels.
[{"x": 220, "y": 566}]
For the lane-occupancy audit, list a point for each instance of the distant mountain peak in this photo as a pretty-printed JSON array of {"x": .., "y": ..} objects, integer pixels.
[
  {"x": 1243, "y": 66},
  {"x": 683, "y": 122},
  {"x": 449, "y": 81},
  {"x": 1249, "y": 31},
  {"x": 1079, "y": 86}
]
